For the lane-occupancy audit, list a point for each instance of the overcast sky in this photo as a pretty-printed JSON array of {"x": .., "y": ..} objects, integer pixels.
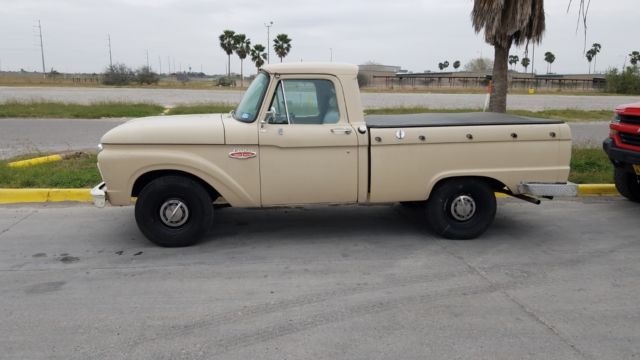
[{"x": 414, "y": 34}]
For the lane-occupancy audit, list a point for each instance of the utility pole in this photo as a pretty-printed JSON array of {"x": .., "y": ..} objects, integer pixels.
[
  {"x": 148, "y": 60},
  {"x": 160, "y": 65},
  {"x": 268, "y": 25},
  {"x": 169, "y": 64},
  {"x": 44, "y": 72},
  {"x": 110, "y": 58}
]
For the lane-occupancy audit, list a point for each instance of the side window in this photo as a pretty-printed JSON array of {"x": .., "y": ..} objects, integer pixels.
[{"x": 305, "y": 102}]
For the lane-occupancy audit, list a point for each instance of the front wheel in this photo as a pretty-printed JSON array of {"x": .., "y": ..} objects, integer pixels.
[
  {"x": 174, "y": 211},
  {"x": 461, "y": 208},
  {"x": 627, "y": 184}
]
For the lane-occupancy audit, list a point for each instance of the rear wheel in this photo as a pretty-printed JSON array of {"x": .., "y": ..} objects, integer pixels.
[
  {"x": 627, "y": 184},
  {"x": 174, "y": 211},
  {"x": 461, "y": 208}
]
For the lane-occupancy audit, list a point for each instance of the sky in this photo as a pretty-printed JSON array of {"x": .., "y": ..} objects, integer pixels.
[{"x": 413, "y": 34}]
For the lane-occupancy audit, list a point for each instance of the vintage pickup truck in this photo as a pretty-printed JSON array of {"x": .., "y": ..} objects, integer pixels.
[{"x": 300, "y": 136}]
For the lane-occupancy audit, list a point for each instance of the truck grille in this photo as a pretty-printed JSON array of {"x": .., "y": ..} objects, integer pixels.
[
  {"x": 630, "y": 139},
  {"x": 630, "y": 119}
]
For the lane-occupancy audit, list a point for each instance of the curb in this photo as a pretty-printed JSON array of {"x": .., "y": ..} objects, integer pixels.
[
  {"x": 14, "y": 196},
  {"x": 36, "y": 161}
]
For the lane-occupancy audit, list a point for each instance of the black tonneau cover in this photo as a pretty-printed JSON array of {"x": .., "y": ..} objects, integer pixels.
[{"x": 451, "y": 119}]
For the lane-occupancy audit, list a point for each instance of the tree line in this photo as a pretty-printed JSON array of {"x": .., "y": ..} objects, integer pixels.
[{"x": 231, "y": 42}]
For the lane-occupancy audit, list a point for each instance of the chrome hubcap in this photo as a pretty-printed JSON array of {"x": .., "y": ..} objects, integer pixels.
[
  {"x": 463, "y": 208},
  {"x": 174, "y": 213}
]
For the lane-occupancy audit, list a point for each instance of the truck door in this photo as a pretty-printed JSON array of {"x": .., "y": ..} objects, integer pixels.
[{"x": 308, "y": 150}]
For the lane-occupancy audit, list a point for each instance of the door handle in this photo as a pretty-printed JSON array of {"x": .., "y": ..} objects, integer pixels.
[{"x": 345, "y": 131}]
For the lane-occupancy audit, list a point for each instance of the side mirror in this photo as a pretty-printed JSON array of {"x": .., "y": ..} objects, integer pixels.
[{"x": 270, "y": 116}]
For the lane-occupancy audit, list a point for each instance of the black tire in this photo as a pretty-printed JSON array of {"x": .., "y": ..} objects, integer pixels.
[
  {"x": 627, "y": 184},
  {"x": 161, "y": 215},
  {"x": 451, "y": 221}
]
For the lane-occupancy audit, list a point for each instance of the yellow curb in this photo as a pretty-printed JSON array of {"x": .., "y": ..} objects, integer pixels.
[
  {"x": 597, "y": 190},
  {"x": 36, "y": 161},
  {"x": 11, "y": 196}
]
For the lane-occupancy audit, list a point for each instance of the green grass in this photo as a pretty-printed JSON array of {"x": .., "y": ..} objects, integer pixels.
[
  {"x": 590, "y": 166},
  {"x": 79, "y": 172},
  {"x": 201, "y": 109},
  {"x": 47, "y": 109},
  {"x": 561, "y": 114}
]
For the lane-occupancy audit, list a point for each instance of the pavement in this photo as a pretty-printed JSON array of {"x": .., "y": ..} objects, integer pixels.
[
  {"x": 172, "y": 97},
  {"x": 555, "y": 281},
  {"x": 30, "y": 135}
]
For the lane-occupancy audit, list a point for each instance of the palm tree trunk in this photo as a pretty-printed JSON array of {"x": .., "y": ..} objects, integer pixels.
[
  {"x": 498, "y": 99},
  {"x": 229, "y": 67},
  {"x": 241, "y": 74}
]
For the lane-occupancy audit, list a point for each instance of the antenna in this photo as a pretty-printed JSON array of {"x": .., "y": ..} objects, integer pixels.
[
  {"x": 44, "y": 72},
  {"x": 110, "y": 59}
]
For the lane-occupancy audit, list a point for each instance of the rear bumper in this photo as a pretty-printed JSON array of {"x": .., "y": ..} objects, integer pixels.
[
  {"x": 620, "y": 156},
  {"x": 549, "y": 189},
  {"x": 99, "y": 195}
]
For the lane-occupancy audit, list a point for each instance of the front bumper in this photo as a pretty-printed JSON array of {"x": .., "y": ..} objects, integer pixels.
[
  {"x": 99, "y": 195},
  {"x": 620, "y": 156}
]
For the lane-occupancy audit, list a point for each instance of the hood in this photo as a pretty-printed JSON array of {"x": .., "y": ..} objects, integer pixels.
[
  {"x": 171, "y": 129},
  {"x": 629, "y": 109}
]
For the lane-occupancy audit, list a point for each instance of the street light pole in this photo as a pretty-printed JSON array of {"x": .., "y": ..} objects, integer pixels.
[{"x": 268, "y": 26}]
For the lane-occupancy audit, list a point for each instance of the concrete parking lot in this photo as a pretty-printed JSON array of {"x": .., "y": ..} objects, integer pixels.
[{"x": 555, "y": 281}]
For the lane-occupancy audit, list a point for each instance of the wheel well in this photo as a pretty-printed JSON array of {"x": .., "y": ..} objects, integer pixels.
[
  {"x": 146, "y": 178},
  {"x": 494, "y": 184}
]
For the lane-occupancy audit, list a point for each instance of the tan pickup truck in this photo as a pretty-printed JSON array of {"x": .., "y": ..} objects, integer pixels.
[{"x": 300, "y": 136}]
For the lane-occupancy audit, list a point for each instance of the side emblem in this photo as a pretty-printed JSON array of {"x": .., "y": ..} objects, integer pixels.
[{"x": 242, "y": 154}]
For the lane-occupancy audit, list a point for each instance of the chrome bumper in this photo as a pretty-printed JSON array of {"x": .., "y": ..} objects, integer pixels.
[
  {"x": 99, "y": 195},
  {"x": 549, "y": 189}
]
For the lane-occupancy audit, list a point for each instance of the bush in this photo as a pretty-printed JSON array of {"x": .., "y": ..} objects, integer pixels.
[
  {"x": 145, "y": 75},
  {"x": 225, "y": 81},
  {"x": 118, "y": 74},
  {"x": 626, "y": 82}
]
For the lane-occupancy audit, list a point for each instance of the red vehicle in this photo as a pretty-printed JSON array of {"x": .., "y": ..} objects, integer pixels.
[{"x": 623, "y": 148}]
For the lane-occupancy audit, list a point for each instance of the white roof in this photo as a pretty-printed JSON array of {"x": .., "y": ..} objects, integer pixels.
[{"x": 312, "y": 68}]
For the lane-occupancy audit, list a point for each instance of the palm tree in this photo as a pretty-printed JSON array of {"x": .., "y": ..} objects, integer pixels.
[
  {"x": 282, "y": 45},
  {"x": 506, "y": 23},
  {"x": 258, "y": 56},
  {"x": 243, "y": 47},
  {"x": 525, "y": 63},
  {"x": 589, "y": 55},
  {"x": 456, "y": 64},
  {"x": 513, "y": 60},
  {"x": 550, "y": 58},
  {"x": 228, "y": 44},
  {"x": 634, "y": 57},
  {"x": 595, "y": 49}
]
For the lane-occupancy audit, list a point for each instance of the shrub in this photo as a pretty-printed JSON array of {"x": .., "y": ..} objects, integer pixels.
[
  {"x": 625, "y": 82},
  {"x": 145, "y": 75},
  {"x": 225, "y": 81},
  {"x": 118, "y": 74}
]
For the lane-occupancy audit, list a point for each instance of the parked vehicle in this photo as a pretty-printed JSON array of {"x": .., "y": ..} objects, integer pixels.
[
  {"x": 300, "y": 136},
  {"x": 623, "y": 149}
]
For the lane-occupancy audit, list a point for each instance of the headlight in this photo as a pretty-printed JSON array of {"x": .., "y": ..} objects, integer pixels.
[{"x": 616, "y": 118}]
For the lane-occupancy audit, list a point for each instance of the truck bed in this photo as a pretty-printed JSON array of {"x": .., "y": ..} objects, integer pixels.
[{"x": 451, "y": 119}]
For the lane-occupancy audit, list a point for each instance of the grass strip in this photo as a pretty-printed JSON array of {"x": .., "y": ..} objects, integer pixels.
[
  {"x": 76, "y": 172},
  {"x": 46, "y": 109},
  {"x": 201, "y": 109},
  {"x": 560, "y": 114},
  {"x": 588, "y": 166}
]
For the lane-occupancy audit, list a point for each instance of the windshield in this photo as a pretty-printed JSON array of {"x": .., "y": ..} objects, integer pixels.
[{"x": 247, "y": 110}]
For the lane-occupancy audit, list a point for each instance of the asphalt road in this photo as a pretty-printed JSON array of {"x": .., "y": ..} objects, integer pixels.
[
  {"x": 22, "y": 136},
  {"x": 171, "y": 97},
  {"x": 556, "y": 281}
]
